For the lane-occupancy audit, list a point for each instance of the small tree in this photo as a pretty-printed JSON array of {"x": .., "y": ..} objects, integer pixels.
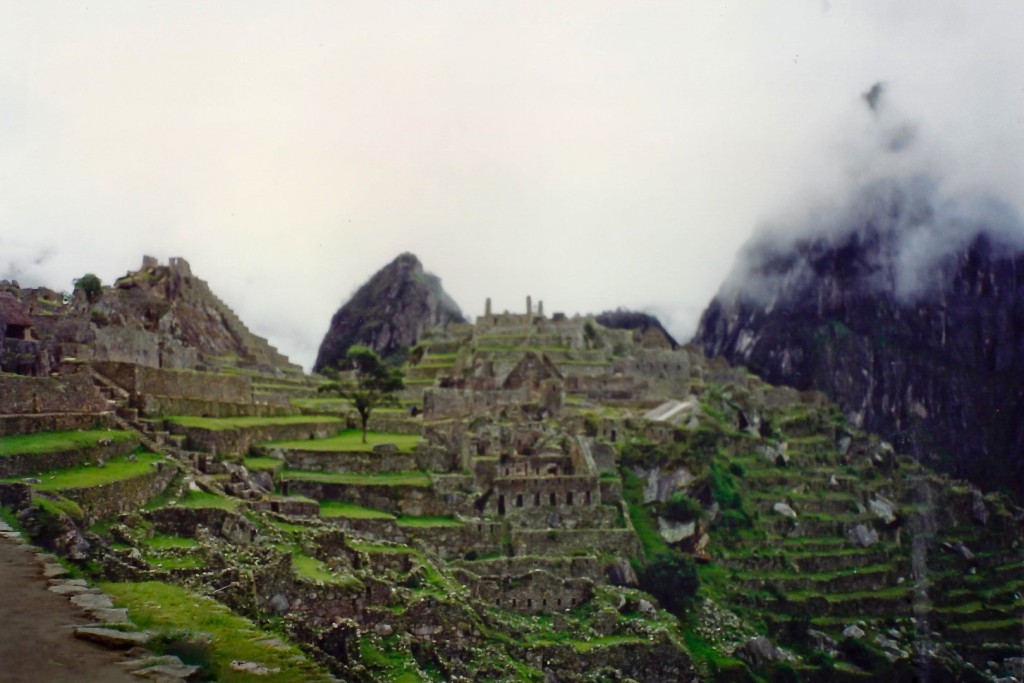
[
  {"x": 91, "y": 285},
  {"x": 371, "y": 383}
]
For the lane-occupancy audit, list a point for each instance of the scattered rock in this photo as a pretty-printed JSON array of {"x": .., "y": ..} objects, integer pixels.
[
  {"x": 883, "y": 508},
  {"x": 621, "y": 573},
  {"x": 115, "y": 640},
  {"x": 674, "y": 532},
  {"x": 979, "y": 513},
  {"x": 853, "y": 631},
  {"x": 253, "y": 668},
  {"x": 963, "y": 551},
  {"x": 819, "y": 640},
  {"x": 383, "y": 630},
  {"x": 279, "y": 603},
  {"x": 863, "y": 536},
  {"x": 646, "y": 609},
  {"x": 784, "y": 510},
  {"x": 759, "y": 651}
]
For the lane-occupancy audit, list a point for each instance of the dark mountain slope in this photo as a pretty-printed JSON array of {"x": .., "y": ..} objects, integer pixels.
[
  {"x": 909, "y": 312},
  {"x": 389, "y": 312}
]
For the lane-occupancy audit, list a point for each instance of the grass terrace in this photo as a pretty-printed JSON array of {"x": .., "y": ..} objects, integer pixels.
[
  {"x": 202, "y": 499},
  {"x": 427, "y": 522},
  {"x": 359, "y": 479},
  {"x": 85, "y": 476},
  {"x": 52, "y": 442},
  {"x": 225, "y": 423},
  {"x": 350, "y": 440},
  {"x": 204, "y": 632},
  {"x": 330, "y": 509}
]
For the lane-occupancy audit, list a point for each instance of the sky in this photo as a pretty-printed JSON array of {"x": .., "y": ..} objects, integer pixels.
[{"x": 591, "y": 154}]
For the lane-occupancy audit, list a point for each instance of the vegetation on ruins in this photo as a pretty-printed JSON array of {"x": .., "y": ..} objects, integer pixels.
[
  {"x": 369, "y": 383},
  {"x": 91, "y": 286}
]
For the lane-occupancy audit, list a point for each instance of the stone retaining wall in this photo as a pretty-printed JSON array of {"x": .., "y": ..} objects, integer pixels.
[
  {"x": 349, "y": 461},
  {"x": 19, "y": 464},
  {"x": 452, "y": 542},
  {"x": 238, "y": 441},
  {"x": 52, "y": 422},
  {"x": 115, "y": 497},
  {"x": 209, "y": 386},
  {"x": 150, "y": 404},
  {"x": 617, "y": 542},
  {"x": 63, "y": 394},
  {"x": 398, "y": 500}
]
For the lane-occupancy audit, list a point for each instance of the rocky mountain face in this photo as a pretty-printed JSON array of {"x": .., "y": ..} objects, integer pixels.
[
  {"x": 389, "y": 312},
  {"x": 647, "y": 327},
  {"x": 915, "y": 328}
]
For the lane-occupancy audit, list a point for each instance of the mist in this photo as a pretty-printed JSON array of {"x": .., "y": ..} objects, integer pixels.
[
  {"x": 590, "y": 154},
  {"x": 900, "y": 197}
]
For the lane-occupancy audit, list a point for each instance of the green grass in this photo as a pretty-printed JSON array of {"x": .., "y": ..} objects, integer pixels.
[
  {"x": 312, "y": 568},
  {"x": 117, "y": 469},
  {"x": 427, "y": 522},
  {"x": 643, "y": 521},
  {"x": 54, "y": 442},
  {"x": 177, "y": 562},
  {"x": 172, "y": 611},
  {"x": 257, "y": 463},
  {"x": 351, "y": 440},
  {"x": 359, "y": 479},
  {"x": 217, "y": 424},
  {"x": 159, "y": 542},
  {"x": 335, "y": 508},
  {"x": 202, "y": 499}
]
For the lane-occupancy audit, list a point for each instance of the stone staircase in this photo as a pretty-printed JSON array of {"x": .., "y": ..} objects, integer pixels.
[{"x": 128, "y": 418}]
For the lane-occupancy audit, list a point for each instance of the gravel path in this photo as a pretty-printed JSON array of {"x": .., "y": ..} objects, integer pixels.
[{"x": 36, "y": 641}]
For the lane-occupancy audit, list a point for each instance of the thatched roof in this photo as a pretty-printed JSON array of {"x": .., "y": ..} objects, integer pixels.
[{"x": 11, "y": 312}]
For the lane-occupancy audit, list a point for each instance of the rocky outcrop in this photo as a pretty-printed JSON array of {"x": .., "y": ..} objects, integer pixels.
[
  {"x": 389, "y": 312},
  {"x": 908, "y": 313}
]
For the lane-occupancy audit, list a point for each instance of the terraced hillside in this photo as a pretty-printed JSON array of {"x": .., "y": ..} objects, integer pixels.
[{"x": 544, "y": 515}]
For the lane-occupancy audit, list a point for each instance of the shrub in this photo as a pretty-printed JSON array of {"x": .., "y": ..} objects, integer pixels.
[
  {"x": 682, "y": 508},
  {"x": 671, "y": 577},
  {"x": 91, "y": 285}
]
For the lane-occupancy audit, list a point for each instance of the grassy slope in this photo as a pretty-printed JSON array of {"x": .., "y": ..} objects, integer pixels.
[
  {"x": 351, "y": 440},
  {"x": 51, "y": 442}
]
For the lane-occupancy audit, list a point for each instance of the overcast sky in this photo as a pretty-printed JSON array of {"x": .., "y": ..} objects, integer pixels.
[{"x": 591, "y": 154}]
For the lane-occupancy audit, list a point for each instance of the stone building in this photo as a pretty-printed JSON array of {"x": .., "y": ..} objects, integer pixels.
[{"x": 19, "y": 353}]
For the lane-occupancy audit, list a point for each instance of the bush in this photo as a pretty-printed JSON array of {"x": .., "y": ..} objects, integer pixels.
[
  {"x": 785, "y": 673},
  {"x": 91, "y": 285},
  {"x": 671, "y": 577},
  {"x": 682, "y": 508}
]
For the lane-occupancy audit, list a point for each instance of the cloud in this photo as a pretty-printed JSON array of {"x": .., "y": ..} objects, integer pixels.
[{"x": 592, "y": 154}]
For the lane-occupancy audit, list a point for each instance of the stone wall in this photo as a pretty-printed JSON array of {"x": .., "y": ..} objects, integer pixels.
[
  {"x": 52, "y": 422},
  {"x": 187, "y": 522},
  {"x": 549, "y": 492},
  {"x": 535, "y": 592},
  {"x": 577, "y": 567},
  {"x": 208, "y": 386},
  {"x": 63, "y": 394},
  {"x": 238, "y": 441},
  {"x": 398, "y": 500},
  {"x": 149, "y": 404},
  {"x": 617, "y": 542},
  {"x": 451, "y": 542},
  {"x": 348, "y": 461},
  {"x": 565, "y": 517},
  {"x": 116, "y": 497},
  {"x": 20, "y": 464}
]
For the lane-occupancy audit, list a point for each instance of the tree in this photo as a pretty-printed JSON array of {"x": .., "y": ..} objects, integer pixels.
[
  {"x": 672, "y": 578},
  {"x": 91, "y": 285},
  {"x": 370, "y": 383}
]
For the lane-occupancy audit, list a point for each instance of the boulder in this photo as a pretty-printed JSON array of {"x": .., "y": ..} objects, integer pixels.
[
  {"x": 863, "y": 536},
  {"x": 883, "y": 508},
  {"x": 621, "y": 573},
  {"x": 674, "y": 532},
  {"x": 784, "y": 510},
  {"x": 979, "y": 513},
  {"x": 853, "y": 631},
  {"x": 759, "y": 651}
]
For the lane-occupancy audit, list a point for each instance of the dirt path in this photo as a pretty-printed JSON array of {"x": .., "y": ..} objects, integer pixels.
[{"x": 36, "y": 641}]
